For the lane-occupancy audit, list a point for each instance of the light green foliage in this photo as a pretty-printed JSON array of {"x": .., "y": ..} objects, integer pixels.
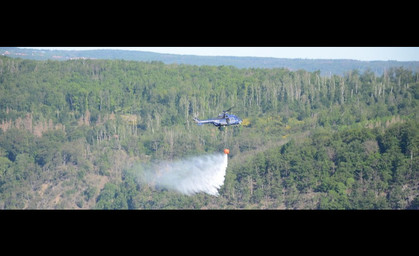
[{"x": 71, "y": 130}]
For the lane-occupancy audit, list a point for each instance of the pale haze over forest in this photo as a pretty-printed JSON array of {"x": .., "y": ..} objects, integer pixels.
[{"x": 354, "y": 53}]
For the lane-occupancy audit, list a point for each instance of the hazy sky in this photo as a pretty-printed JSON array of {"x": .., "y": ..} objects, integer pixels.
[{"x": 354, "y": 53}]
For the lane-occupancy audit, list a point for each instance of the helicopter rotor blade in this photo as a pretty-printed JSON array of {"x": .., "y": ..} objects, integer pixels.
[{"x": 228, "y": 109}]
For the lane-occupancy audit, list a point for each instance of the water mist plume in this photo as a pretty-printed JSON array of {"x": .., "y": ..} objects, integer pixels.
[{"x": 188, "y": 176}]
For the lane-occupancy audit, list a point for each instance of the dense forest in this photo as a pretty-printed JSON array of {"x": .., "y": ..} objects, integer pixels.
[{"x": 70, "y": 131}]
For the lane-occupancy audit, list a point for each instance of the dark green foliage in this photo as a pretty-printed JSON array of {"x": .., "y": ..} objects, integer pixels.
[
  {"x": 70, "y": 130},
  {"x": 348, "y": 172}
]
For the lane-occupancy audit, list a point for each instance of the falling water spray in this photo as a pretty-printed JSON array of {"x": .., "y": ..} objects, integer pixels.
[{"x": 188, "y": 176}]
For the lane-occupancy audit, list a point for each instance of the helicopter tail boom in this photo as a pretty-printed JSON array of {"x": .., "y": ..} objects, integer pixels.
[
  {"x": 201, "y": 122},
  {"x": 208, "y": 121}
]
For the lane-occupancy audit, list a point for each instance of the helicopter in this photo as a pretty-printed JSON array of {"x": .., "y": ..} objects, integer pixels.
[{"x": 222, "y": 120}]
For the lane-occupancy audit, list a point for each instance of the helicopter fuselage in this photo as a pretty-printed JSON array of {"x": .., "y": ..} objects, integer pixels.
[{"x": 227, "y": 120}]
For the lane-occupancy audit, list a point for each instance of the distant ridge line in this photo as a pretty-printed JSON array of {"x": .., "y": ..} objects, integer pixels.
[{"x": 325, "y": 66}]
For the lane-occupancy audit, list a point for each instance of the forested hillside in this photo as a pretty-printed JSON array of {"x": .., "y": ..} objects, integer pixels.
[
  {"x": 70, "y": 131},
  {"x": 326, "y": 67}
]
